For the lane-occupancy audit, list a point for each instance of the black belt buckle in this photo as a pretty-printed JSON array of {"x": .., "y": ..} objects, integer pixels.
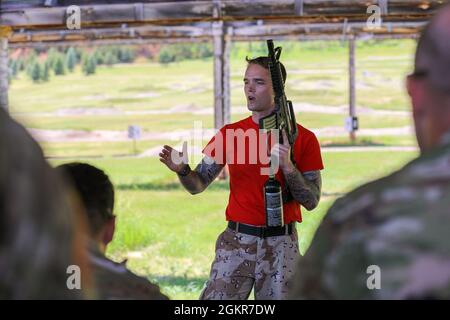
[
  {"x": 276, "y": 231},
  {"x": 261, "y": 232}
]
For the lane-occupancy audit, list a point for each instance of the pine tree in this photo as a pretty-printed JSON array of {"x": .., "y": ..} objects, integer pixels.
[
  {"x": 166, "y": 55},
  {"x": 99, "y": 57},
  {"x": 89, "y": 65},
  {"x": 110, "y": 59},
  {"x": 71, "y": 59},
  {"x": 20, "y": 64},
  {"x": 45, "y": 72},
  {"x": 93, "y": 64},
  {"x": 126, "y": 55},
  {"x": 59, "y": 68},
  {"x": 29, "y": 62},
  {"x": 35, "y": 72},
  {"x": 52, "y": 56}
]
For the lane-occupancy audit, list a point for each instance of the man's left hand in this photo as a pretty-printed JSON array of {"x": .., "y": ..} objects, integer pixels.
[{"x": 283, "y": 153}]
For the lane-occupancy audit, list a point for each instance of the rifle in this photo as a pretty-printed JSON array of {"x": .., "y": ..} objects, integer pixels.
[{"x": 283, "y": 117}]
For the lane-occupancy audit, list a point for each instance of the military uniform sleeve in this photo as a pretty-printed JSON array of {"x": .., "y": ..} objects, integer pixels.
[
  {"x": 336, "y": 254},
  {"x": 308, "y": 282},
  {"x": 143, "y": 289}
]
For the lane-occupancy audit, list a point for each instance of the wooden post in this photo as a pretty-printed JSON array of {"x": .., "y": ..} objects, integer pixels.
[
  {"x": 351, "y": 66},
  {"x": 219, "y": 80},
  {"x": 218, "y": 41},
  {"x": 226, "y": 77},
  {"x": 4, "y": 73},
  {"x": 222, "y": 108}
]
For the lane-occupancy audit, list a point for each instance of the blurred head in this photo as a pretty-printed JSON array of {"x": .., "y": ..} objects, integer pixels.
[
  {"x": 429, "y": 84},
  {"x": 97, "y": 194},
  {"x": 258, "y": 85},
  {"x": 40, "y": 221}
]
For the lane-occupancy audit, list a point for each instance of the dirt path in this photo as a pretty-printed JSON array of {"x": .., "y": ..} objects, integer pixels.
[
  {"x": 175, "y": 137},
  {"x": 194, "y": 109},
  {"x": 110, "y": 135}
]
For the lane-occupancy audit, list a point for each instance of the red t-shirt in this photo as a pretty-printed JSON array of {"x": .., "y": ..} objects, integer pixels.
[{"x": 243, "y": 149}]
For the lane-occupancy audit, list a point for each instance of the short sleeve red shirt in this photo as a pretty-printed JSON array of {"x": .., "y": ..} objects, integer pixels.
[{"x": 243, "y": 148}]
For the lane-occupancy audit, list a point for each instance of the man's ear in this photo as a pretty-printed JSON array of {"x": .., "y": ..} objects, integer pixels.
[
  {"x": 416, "y": 90},
  {"x": 109, "y": 230}
]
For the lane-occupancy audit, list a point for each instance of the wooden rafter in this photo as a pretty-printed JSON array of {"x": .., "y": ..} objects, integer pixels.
[{"x": 104, "y": 14}]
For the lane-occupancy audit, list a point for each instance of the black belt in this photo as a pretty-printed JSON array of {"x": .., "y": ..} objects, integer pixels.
[{"x": 262, "y": 232}]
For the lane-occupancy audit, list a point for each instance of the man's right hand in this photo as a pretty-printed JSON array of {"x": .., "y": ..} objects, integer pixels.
[{"x": 173, "y": 159}]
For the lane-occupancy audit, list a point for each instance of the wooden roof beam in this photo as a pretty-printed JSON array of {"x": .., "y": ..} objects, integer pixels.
[
  {"x": 173, "y": 12},
  {"x": 299, "y": 37},
  {"x": 160, "y": 32}
]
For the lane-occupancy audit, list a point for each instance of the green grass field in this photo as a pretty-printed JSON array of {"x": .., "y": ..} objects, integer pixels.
[
  {"x": 97, "y": 149},
  {"x": 165, "y": 233}
]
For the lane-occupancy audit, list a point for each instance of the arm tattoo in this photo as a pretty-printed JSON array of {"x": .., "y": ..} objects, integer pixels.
[
  {"x": 305, "y": 188},
  {"x": 208, "y": 170},
  {"x": 199, "y": 179}
]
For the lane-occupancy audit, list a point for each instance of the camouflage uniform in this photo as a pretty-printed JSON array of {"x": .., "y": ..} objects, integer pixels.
[
  {"x": 244, "y": 260},
  {"x": 399, "y": 223},
  {"x": 114, "y": 281}
]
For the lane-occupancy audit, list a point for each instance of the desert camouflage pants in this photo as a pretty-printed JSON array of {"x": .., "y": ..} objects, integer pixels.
[{"x": 243, "y": 261}]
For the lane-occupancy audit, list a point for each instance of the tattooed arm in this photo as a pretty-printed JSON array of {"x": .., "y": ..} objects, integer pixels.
[
  {"x": 198, "y": 180},
  {"x": 305, "y": 188},
  {"x": 194, "y": 181}
]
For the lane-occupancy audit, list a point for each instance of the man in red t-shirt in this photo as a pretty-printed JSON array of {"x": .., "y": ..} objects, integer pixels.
[{"x": 249, "y": 254}]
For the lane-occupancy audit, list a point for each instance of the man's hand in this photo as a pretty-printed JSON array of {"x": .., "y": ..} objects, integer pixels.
[
  {"x": 305, "y": 187},
  {"x": 283, "y": 153},
  {"x": 173, "y": 159}
]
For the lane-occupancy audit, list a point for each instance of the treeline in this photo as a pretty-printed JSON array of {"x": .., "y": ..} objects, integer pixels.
[
  {"x": 180, "y": 52},
  {"x": 40, "y": 65}
]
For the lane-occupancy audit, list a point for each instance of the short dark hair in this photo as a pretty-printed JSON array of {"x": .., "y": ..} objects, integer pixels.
[
  {"x": 95, "y": 190},
  {"x": 263, "y": 61}
]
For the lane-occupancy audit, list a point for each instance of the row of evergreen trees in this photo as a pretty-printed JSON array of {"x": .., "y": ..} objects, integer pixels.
[
  {"x": 62, "y": 61},
  {"x": 184, "y": 51}
]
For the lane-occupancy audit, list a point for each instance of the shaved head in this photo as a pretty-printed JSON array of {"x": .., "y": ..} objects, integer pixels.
[
  {"x": 433, "y": 51},
  {"x": 429, "y": 85}
]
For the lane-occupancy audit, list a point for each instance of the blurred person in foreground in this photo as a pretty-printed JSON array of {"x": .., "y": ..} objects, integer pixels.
[
  {"x": 390, "y": 239},
  {"x": 40, "y": 224}
]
